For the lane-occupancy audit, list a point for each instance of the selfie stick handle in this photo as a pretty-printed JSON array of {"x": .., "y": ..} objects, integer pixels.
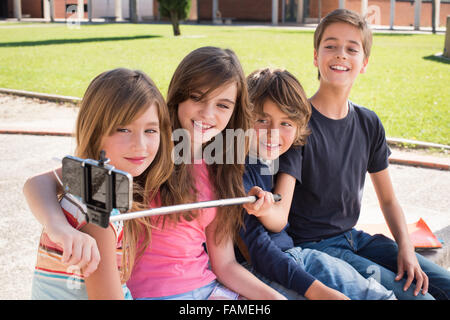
[{"x": 187, "y": 206}]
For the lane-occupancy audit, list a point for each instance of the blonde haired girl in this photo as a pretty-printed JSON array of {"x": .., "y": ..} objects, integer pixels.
[{"x": 123, "y": 113}]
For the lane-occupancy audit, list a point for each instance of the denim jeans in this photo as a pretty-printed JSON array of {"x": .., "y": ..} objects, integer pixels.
[
  {"x": 376, "y": 257},
  {"x": 289, "y": 294},
  {"x": 201, "y": 293},
  {"x": 334, "y": 273}
]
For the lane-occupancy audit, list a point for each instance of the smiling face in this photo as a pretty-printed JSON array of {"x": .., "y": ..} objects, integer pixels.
[
  {"x": 205, "y": 117},
  {"x": 340, "y": 55},
  {"x": 275, "y": 132},
  {"x": 133, "y": 147}
]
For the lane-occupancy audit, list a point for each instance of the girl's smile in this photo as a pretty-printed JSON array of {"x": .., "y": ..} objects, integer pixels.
[
  {"x": 201, "y": 126},
  {"x": 205, "y": 117},
  {"x": 136, "y": 160}
]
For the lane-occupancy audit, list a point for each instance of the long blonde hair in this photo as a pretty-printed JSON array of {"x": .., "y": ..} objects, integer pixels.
[
  {"x": 115, "y": 98},
  {"x": 211, "y": 67}
]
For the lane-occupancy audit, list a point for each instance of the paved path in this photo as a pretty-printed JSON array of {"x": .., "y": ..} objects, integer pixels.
[{"x": 422, "y": 192}]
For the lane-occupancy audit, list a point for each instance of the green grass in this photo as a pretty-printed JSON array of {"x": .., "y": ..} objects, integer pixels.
[{"x": 405, "y": 85}]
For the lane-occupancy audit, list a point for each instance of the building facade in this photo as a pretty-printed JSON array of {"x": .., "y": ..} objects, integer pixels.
[{"x": 379, "y": 12}]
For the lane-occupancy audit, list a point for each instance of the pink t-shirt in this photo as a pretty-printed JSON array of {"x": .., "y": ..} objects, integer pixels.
[{"x": 175, "y": 261}]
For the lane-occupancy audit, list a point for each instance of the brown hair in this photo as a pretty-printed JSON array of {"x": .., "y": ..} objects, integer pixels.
[
  {"x": 211, "y": 68},
  {"x": 115, "y": 98},
  {"x": 346, "y": 16},
  {"x": 283, "y": 89}
]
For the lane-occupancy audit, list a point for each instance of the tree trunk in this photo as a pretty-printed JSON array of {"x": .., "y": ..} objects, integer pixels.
[
  {"x": 175, "y": 23},
  {"x": 133, "y": 11}
]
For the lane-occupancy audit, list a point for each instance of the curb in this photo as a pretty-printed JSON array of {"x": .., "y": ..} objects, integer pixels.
[
  {"x": 37, "y": 132},
  {"x": 419, "y": 163},
  {"x": 41, "y": 96},
  {"x": 415, "y": 144},
  {"x": 395, "y": 159}
]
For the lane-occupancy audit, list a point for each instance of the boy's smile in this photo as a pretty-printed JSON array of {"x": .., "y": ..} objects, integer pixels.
[
  {"x": 340, "y": 56},
  {"x": 275, "y": 132}
]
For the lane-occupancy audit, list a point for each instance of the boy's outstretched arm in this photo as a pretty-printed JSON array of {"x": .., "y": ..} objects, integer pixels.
[
  {"x": 393, "y": 213},
  {"x": 273, "y": 215},
  {"x": 79, "y": 248}
]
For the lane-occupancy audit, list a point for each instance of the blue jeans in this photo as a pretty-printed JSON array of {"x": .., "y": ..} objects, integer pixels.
[
  {"x": 201, "y": 293},
  {"x": 376, "y": 257},
  {"x": 289, "y": 294},
  {"x": 334, "y": 273}
]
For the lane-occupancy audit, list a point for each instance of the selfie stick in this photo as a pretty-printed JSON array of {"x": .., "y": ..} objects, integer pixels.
[{"x": 186, "y": 207}]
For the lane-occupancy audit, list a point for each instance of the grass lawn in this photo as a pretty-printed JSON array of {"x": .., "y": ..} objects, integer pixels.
[{"x": 405, "y": 85}]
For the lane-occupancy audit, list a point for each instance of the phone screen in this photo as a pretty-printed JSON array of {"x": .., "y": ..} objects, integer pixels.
[
  {"x": 98, "y": 185},
  {"x": 123, "y": 196},
  {"x": 73, "y": 173}
]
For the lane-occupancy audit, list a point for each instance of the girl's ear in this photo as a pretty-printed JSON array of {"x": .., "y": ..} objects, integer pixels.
[
  {"x": 315, "y": 58},
  {"x": 364, "y": 66}
]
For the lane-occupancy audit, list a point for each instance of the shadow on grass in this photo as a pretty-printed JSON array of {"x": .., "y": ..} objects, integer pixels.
[
  {"x": 440, "y": 59},
  {"x": 70, "y": 41}
]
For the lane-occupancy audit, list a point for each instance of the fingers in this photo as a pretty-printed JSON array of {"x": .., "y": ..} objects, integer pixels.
[
  {"x": 409, "y": 279},
  {"x": 414, "y": 273},
  {"x": 425, "y": 283},
  {"x": 419, "y": 283},
  {"x": 92, "y": 261},
  {"x": 253, "y": 208},
  {"x": 256, "y": 191},
  {"x": 82, "y": 252},
  {"x": 67, "y": 251}
]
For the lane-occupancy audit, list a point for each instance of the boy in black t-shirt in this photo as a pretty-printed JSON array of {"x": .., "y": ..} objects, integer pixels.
[
  {"x": 347, "y": 141},
  {"x": 282, "y": 112}
]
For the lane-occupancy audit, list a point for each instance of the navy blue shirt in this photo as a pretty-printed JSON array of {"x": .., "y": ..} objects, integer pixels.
[
  {"x": 266, "y": 248},
  {"x": 330, "y": 170}
]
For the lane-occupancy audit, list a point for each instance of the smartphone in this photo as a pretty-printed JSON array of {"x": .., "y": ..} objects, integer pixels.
[{"x": 101, "y": 187}]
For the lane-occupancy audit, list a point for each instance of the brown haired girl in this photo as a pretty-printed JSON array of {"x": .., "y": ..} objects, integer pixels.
[{"x": 207, "y": 95}]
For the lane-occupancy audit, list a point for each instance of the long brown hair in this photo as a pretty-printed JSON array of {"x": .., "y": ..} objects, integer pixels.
[
  {"x": 211, "y": 68},
  {"x": 115, "y": 98}
]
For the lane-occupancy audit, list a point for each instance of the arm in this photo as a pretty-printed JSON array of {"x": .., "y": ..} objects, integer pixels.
[
  {"x": 231, "y": 274},
  {"x": 269, "y": 260},
  {"x": 393, "y": 213},
  {"x": 78, "y": 248},
  {"x": 273, "y": 215},
  {"x": 104, "y": 283}
]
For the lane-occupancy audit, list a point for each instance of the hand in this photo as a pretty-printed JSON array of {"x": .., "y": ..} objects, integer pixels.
[
  {"x": 407, "y": 261},
  {"x": 79, "y": 248},
  {"x": 264, "y": 202},
  {"x": 318, "y": 291}
]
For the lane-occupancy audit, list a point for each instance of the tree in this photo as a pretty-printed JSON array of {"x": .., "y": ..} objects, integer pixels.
[
  {"x": 175, "y": 10},
  {"x": 133, "y": 11}
]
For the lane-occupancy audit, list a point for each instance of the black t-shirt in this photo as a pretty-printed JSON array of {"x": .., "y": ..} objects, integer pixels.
[{"x": 330, "y": 171}]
